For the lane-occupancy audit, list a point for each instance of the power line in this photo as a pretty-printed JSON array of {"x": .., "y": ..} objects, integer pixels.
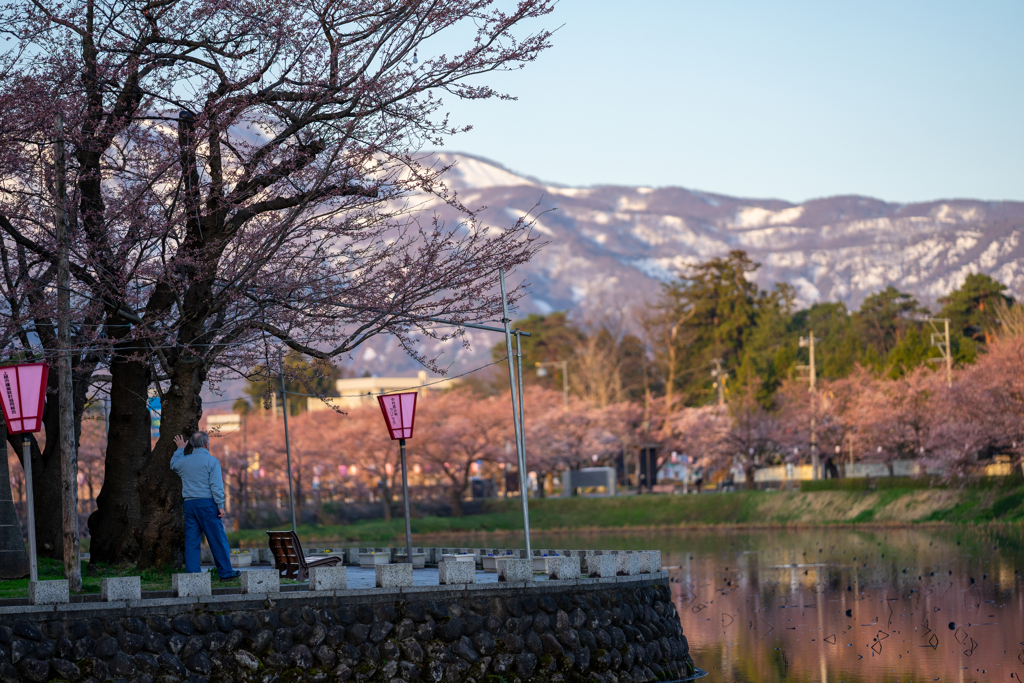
[{"x": 370, "y": 393}]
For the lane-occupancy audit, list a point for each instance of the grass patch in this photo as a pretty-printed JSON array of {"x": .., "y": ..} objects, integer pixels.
[
  {"x": 545, "y": 514},
  {"x": 962, "y": 511},
  {"x": 1007, "y": 504},
  {"x": 891, "y": 504},
  {"x": 1013, "y": 481},
  {"x": 883, "y": 484},
  {"x": 864, "y": 516}
]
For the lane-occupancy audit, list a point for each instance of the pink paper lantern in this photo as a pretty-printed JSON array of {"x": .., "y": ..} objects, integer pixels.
[
  {"x": 399, "y": 413},
  {"x": 22, "y": 394}
]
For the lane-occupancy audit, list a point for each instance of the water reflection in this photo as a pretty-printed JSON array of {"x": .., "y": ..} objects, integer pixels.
[{"x": 912, "y": 604}]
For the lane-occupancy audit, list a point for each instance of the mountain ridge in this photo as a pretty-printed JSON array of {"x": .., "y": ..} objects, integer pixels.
[{"x": 612, "y": 245}]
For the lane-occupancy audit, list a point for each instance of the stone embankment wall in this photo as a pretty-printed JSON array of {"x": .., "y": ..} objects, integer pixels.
[{"x": 619, "y": 630}]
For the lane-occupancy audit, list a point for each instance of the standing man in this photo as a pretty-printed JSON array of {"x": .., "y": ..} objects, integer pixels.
[{"x": 202, "y": 486}]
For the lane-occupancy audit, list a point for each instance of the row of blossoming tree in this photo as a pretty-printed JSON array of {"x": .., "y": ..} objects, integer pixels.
[{"x": 465, "y": 433}]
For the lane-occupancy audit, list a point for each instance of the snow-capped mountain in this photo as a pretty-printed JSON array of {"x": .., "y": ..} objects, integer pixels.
[{"x": 613, "y": 245}]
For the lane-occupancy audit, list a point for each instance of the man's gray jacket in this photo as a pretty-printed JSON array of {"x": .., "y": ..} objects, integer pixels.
[{"x": 200, "y": 475}]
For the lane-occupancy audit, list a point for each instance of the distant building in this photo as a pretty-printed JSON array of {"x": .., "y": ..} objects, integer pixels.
[
  {"x": 221, "y": 424},
  {"x": 363, "y": 391}
]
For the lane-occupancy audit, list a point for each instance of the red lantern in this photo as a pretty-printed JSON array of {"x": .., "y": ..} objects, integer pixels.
[
  {"x": 399, "y": 413},
  {"x": 23, "y": 393}
]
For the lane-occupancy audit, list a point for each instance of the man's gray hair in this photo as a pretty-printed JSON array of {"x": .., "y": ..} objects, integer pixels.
[{"x": 200, "y": 440}]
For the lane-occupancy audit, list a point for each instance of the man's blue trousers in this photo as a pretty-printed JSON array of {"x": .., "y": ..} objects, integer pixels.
[{"x": 201, "y": 520}]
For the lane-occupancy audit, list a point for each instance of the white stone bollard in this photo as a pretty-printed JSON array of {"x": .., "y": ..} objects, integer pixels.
[
  {"x": 121, "y": 588},
  {"x": 627, "y": 564},
  {"x": 449, "y": 573},
  {"x": 564, "y": 568},
  {"x": 650, "y": 561},
  {"x": 328, "y": 578},
  {"x": 261, "y": 581},
  {"x": 48, "y": 592},
  {"x": 191, "y": 585},
  {"x": 393, "y": 575},
  {"x": 601, "y": 566}
]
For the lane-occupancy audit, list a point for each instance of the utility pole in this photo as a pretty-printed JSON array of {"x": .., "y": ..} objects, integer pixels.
[
  {"x": 940, "y": 340},
  {"x": 69, "y": 456},
  {"x": 720, "y": 377},
  {"x": 812, "y": 376}
]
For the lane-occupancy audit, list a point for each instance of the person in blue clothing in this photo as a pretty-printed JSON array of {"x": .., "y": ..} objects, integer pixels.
[{"x": 202, "y": 486}]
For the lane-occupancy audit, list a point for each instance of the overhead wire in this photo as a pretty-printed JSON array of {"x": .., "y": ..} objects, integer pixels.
[{"x": 441, "y": 380}]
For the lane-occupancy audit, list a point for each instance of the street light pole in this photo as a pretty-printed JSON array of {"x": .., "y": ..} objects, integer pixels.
[
  {"x": 287, "y": 446},
  {"x": 405, "y": 497},
  {"x": 519, "y": 376},
  {"x": 516, "y": 424},
  {"x": 30, "y": 507}
]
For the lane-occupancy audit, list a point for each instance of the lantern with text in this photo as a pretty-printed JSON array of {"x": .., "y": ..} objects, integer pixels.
[
  {"x": 22, "y": 395},
  {"x": 399, "y": 414}
]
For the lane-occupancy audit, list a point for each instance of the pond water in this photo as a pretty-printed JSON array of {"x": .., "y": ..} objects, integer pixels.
[{"x": 839, "y": 604}]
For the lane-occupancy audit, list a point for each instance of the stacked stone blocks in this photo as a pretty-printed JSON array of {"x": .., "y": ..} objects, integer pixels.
[{"x": 632, "y": 634}]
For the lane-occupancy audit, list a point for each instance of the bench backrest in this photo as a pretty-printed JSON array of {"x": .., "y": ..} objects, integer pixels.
[{"x": 287, "y": 549}]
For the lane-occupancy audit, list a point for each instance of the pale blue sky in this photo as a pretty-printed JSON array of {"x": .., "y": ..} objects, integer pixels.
[{"x": 901, "y": 100}]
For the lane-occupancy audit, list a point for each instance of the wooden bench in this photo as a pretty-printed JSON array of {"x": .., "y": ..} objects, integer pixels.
[{"x": 288, "y": 558}]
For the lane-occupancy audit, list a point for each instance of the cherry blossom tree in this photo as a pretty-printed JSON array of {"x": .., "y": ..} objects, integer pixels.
[
  {"x": 241, "y": 179},
  {"x": 703, "y": 433},
  {"x": 456, "y": 430},
  {"x": 983, "y": 410}
]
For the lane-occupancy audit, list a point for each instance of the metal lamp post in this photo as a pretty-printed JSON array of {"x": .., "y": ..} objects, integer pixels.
[{"x": 399, "y": 414}]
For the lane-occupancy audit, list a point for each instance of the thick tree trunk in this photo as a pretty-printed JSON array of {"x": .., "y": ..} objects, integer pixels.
[
  {"x": 161, "y": 532},
  {"x": 13, "y": 554},
  {"x": 118, "y": 507}
]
